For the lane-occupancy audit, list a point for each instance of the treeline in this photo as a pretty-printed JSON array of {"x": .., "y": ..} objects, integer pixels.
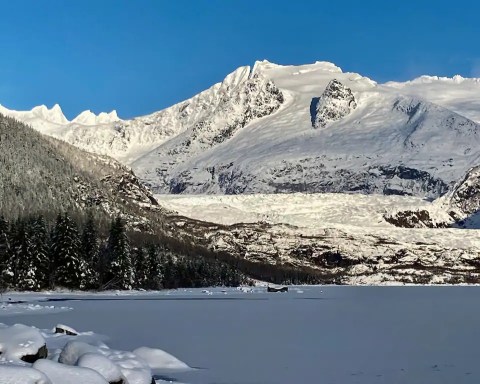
[{"x": 36, "y": 255}]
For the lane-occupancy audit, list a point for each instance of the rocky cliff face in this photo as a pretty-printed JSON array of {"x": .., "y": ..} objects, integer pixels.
[
  {"x": 312, "y": 175},
  {"x": 336, "y": 102},
  {"x": 465, "y": 196},
  {"x": 459, "y": 207},
  {"x": 252, "y": 99}
]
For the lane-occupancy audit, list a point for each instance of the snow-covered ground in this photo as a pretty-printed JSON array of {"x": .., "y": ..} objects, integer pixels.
[
  {"x": 312, "y": 214},
  {"x": 9, "y": 308},
  {"x": 302, "y": 210},
  {"x": 348, "y": 335},
  {"x": 62, "y": 355}
]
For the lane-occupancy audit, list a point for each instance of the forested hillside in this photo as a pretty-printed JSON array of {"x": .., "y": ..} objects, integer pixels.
[
  {"x": 49, "y": 187},
  {"x": 82, "y": 221},
  {"x": 35, "y": 255},
  {"x": 43, "y": 176}
]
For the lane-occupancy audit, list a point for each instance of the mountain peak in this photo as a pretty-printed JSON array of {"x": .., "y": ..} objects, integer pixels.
[
  {"x": 53, "y": 115},
  {"x": 87, "y": 117},
  {"x": 336, "y": 102},
  {"x": 104, "y": 117},
  {"x": 328, "y": 66},
  {"x": 261, "y": 65}
]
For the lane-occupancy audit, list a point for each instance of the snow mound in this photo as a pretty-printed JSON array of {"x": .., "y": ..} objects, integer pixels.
[
  {"x": 18, "y": 341},
  {"x": 75, "y": 359},
  {"x": 73, "y": 350},
  {"x": 22, "y": 375},
  {"x": 160, "y": 360},
  {"x": 63, "y": 374},
  {"x": 130, "y": 365},
  {"x": 101, "y": 364}
]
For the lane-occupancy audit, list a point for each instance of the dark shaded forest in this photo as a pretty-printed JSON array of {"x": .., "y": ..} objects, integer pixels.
[{"x": 36, "y": 255}]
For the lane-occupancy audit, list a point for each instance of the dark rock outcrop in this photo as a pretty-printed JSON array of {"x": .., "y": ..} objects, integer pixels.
[
  {"x": 128, "y": 186},
  {"x": 41, "y": 354},
  {"x": 275, "y": 289},
  {"x": 65, "y": 330},
  {"x": 336, "y": 102},
  {"x": 414, "y": 219}
]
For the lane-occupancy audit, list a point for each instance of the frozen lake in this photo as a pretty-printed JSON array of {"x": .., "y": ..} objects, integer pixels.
[{"x": 308, "y": 335}]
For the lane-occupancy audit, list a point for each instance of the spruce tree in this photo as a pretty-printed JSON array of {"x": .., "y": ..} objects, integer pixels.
[
  {"x": 70, "y": 271},
  {"x": 155, "y": 276},
  {"x": 23, "y": 273},
  {"x": 170, "y": 271},
  {"x": 38, "y": 238},
  {"x": 4, "y": 252},
  {"x": 118, "y": 250},
  {"x": 141, "y": 268},
  {"x": 90, "y": 252}
]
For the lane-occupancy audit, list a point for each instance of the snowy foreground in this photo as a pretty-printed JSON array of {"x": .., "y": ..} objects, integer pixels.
[
  {"x": 328, "y": 334},
  {"x": 62, "y": 355}
]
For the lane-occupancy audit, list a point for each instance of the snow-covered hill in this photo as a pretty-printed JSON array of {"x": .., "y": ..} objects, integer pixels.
[{"x": 309, "y": 128}]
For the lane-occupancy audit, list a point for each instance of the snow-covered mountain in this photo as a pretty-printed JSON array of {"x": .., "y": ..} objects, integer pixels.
[{"x": 309, "y": 128}]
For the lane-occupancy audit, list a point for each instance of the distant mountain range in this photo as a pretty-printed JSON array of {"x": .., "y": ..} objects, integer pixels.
[
  {"x": 308, "y": 128},
  {"x": 275, "y": 129}
]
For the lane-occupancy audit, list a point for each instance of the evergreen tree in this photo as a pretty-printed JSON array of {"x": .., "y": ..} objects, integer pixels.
[
  {"x": 22, "y": 272},
  {"x": 90, "y": 252},
  {"x": 169, "y": 271},
  {"x": 118, "y": 251},
  {"x": 141, "y": 267},
  {"x": 38, "y": 251},
  {"x": 155, "y": 278},
  {"x": 69, "y": 269},
  {"x": 4, "y": 252}
]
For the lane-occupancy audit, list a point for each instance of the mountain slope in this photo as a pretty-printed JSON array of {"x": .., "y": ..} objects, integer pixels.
[
  {"x": 388, "y": 144},
  {"x": 253, "y": 133},
  {"x": 42, "y": 175}
]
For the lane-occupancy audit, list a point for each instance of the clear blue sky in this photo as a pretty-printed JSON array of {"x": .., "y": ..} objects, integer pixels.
[{"x": 139, "y": 56}]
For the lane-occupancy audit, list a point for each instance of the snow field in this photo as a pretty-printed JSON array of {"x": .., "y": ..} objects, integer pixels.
[{"x": 333, "y": 215}]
